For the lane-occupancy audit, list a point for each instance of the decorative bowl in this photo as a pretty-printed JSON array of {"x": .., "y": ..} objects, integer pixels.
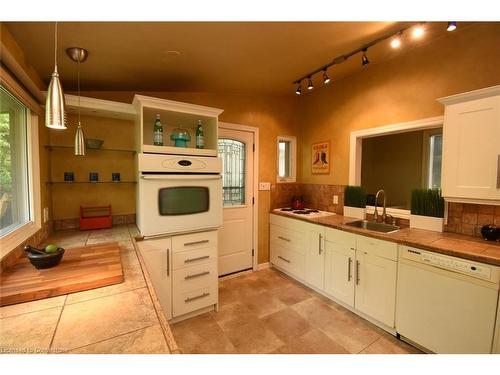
[
  {"x": 490, "y": 232},
  {"x": 44, "y": 260},
  {"x": 180, "y": 137},
  {"x": 93, "y": 143}
]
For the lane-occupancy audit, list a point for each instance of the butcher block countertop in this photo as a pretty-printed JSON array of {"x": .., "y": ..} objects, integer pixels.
[{"x": 457, "y": 245}]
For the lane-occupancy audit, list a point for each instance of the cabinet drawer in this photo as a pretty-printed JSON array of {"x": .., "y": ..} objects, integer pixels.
[
  {"x": 185, "y": 302},
  {"x": 194, "y": 241},
  {"x": 194, "y": 257},
  {"x": 287, "y": 238},
  {"x": 289, "y": 260},
  {"x": 195, "y": 278},
  {"x": 380, "y": 248},
  {"x": 340, "y": 237}
]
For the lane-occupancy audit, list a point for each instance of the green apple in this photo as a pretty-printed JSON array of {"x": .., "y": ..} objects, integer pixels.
[{"x": 51, "y": 248}]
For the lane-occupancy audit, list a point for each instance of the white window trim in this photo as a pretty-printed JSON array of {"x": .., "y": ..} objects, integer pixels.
[
  {"x": 13, "y": 239},
  {"x": 355, "y": 149},
  {"x": 293, "y": 159}
]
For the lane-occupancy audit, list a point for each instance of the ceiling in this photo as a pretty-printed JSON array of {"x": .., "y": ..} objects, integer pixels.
[{"x": 234, "y": 57}]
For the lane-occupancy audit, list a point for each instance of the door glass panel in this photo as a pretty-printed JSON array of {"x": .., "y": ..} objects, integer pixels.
[{"x": 233, "y": 154}]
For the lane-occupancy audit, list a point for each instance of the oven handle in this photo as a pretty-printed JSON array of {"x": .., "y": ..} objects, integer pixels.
[{"x": 182, "y": 177}]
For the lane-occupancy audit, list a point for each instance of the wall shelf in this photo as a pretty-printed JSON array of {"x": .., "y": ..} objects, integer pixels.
[
  {"x": 62, "y": 147},
  {"x": 89, "y": 182}
]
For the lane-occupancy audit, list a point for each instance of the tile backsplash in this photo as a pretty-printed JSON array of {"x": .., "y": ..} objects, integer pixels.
[{"x": 465, "y": 218}]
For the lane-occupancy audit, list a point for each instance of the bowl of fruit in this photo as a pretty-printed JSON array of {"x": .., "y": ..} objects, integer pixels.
[{"x": 48, "y": 257}]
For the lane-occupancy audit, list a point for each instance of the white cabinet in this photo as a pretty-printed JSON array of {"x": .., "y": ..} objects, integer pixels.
[
  {"x": 157, "y": 254},
  {"x": 340, "y": 256},
  {"x": 183, "y": 270},
  {"x": 471, "y": 146},
  {"x": 496, "y": 339},
  {"x": 315, "y": 256}
]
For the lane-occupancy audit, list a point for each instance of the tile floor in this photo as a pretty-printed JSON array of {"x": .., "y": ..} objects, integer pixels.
[
  {"x": 268, "y": 312},
  {"x": 115, "y": 319}
]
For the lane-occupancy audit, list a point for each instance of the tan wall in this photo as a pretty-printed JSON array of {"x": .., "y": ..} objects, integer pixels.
[
  {"x": 402, "y": 89},
  {"x": 393, "y": 163},
  {"x": 272, "y": 115}
]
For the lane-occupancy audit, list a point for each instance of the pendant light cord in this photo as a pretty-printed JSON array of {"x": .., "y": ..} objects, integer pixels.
[
  {"x": 78, "y": 88},
  {"x": 55, "y": 47}
]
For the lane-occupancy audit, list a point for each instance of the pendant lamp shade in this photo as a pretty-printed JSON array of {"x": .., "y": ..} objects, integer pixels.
[
  {"x": 79, "y": 141},
  {"x": 55, "y": 106}
]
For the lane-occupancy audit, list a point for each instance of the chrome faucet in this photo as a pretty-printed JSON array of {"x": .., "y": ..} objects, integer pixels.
[{"x": 375, "y": 214}]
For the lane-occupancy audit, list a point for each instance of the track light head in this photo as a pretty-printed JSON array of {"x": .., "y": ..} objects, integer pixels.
[
  {"x": 299, "y": 89},
  {"x": 418, "y": 32},
  {"x": 326, "y": 79},
  {"x": 364, "y": 59},
  {"x": 451, "y": 26},
  {"x": 396, "y": 42},
  {"x": 310, "y": 84}
]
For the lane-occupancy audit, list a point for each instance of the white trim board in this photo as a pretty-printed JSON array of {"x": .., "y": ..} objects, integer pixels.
[{"x": 255, "y": 131}]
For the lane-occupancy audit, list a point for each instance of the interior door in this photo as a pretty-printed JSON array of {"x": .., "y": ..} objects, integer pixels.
[{"x": 236, "y": 235}]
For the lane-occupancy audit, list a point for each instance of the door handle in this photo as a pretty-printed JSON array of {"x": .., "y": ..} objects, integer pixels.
[
  {"x": 168, "y": 262},
  {"x": 284, "y": 239},
  {"x": 357, "y": 272},
  {"x": 286, "y": 260},
  {"x": 196, "y": 275},
  {"x": 320, "y": 238},
  {"x": 196, "y": 243},
  {"x": 196, "y": 259},
  {"x": 190, "y": 299},
  {"x": 349, "y": 269}
]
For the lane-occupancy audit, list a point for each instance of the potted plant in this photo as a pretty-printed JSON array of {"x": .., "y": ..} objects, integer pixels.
[
  {"x": 427, "y": 209},
  {"x": 354, "y": 201}
]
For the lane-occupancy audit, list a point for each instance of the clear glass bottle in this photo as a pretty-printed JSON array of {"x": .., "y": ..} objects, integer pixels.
[
  {"x": 200, "y": 138},
  {"x": 158, "y": 132}
]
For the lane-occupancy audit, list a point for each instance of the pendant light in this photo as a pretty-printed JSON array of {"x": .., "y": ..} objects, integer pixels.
[
  {"x": 55, "y": 107},
  {"x": 79, "y": 55}
]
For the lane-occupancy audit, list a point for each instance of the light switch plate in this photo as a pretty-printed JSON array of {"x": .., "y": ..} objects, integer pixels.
[
  {"x": 264, "y": 186},
  {"x": 335, "y": 199}
]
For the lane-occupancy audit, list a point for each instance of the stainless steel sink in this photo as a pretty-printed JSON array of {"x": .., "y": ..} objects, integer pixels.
[{"x": 371, "y": 225}]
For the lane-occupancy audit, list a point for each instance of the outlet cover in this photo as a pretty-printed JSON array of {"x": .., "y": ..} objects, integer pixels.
[
  {"x": 264, "y": 186},
  {"x": 335, "y": 199},
  {"x": 45, "y": 214}
]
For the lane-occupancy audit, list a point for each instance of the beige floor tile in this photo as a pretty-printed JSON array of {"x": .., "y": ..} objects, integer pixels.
[
  {"x": 253, "y": 338},
  {"x": 233, "y": 315},
  {"x": 201, "y": 334},
  {"x": 286, "y": 324},
  {"x": 133, "y": 230},
  {"x": 312, "y": 342},
  {"x": 291, "y": 294},
  {"x": 390, "y": 345},
  {"x": 129, "y": 258},
  {"x": 104, "y": 318},
  {"x": 28, "y": 333},
  {"x": 148, "y": 340},
  {"x": 134, "y": 279},
  {"x": 27, "y": 307},
  {"x": 263, "y": 303}
]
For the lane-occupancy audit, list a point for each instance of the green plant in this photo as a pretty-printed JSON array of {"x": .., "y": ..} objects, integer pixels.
[
  {"x": 355, "y": 196},
  {"x": 427, "y": 202}
]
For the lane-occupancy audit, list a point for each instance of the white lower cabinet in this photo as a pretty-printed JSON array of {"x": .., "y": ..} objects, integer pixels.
[
  {"x": 315, "y": 256},
  {"x": 183, "y": 270},
  {"x": 496, "y": 340}
]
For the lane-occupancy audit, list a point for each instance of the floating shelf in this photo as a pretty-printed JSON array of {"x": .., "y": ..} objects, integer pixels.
[
  {"x": 89, "y": 182},
  {"x": 51, "y": 147}
]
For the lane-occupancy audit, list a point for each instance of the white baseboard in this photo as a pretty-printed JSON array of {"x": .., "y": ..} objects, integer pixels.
[{"x": 263, "y": 266}]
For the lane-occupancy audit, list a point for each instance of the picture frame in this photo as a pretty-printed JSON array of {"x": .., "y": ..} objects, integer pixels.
[{"x": 320, "y": 157}]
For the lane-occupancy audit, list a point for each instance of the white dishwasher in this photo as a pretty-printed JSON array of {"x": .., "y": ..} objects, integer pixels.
[{"x": 446, "y": 304}]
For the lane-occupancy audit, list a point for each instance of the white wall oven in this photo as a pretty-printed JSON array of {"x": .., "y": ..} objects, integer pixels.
[{"x": 178, "y": 194}]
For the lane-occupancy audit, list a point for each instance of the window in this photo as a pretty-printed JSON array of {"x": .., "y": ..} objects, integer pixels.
[
  {"x": 286, "y": 159},
  {"x": 14, "y": 187},
  {"x": 233, "y": 155},
  {"x": 435, "y": 152}
]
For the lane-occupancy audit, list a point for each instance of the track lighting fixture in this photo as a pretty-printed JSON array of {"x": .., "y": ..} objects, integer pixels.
[
  {"x": 326, "y": 79},
  {"x": 418, "y": 32},
  {"x": 310, "y": 84},
  {"x": 451, "y": 26},
  {"x": 364, "y": 59},
  {"x": 396, "y": 42},
  {"x": 299, "y": 89}
]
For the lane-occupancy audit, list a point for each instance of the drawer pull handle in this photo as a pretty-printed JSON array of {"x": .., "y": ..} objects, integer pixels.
[
  {"x": 191, "y": 299},
  {"x": 286, "y": 260},
  {"x": 196, "y": 259},
  {"x": 196, "y": 243},
  {"x": 168, "y": 262},
  {"x": 284, "y": 239},
  {"x": 320, "y": 237},
  {"x": 196, "y": 275},
  {"x": 349, "y": 269}
]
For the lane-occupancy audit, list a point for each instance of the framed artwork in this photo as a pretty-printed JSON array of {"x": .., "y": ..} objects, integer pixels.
[{"x": 320, "y": 158}]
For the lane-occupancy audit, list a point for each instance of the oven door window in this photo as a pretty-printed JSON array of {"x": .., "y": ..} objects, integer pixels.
[{"x": 183, "y": 200}]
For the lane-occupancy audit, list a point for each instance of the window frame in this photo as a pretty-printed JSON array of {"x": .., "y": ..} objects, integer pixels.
[
  {"x": 292, "y": 160},
  {"x": 426, "y": 143},
  {"x": 13, "y": 239}
]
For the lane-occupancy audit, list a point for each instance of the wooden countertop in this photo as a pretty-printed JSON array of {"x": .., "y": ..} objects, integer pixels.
[{"x": 453, "y": 244}]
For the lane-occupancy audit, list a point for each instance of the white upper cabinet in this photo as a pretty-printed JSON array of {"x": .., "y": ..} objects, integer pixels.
[{"x": 471, "y": 147}]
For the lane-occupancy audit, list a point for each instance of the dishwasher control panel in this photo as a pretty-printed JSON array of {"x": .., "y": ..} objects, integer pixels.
[{"x": 474, "y": 269}]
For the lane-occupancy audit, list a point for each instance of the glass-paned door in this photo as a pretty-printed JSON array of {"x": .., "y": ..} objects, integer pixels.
[{"x": 233, "y": 155}]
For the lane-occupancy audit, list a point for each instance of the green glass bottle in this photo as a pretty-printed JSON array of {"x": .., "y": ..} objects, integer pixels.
[
  {"x": 200, "y": 139},
  {"x": 158, "y": 132}
]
